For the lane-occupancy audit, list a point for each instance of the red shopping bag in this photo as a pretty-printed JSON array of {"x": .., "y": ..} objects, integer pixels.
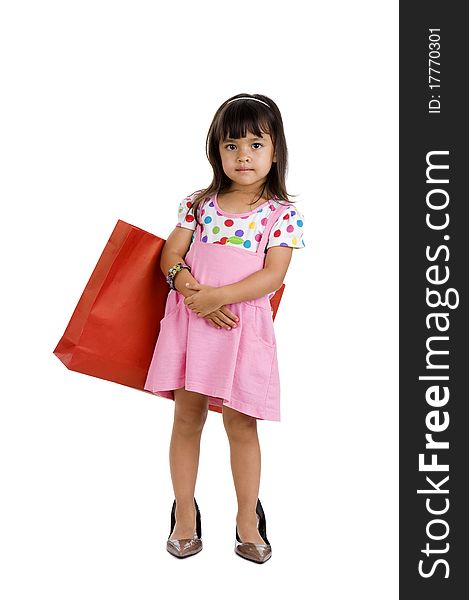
[
  {"x": 275, "y": 300},
  {"x": 113, "y": 330}
]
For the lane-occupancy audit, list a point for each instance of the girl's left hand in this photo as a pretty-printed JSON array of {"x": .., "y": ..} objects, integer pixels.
[{"x": 205, "y": 300}]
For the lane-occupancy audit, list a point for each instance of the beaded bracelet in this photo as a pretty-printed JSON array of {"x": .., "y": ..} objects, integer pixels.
[{"x": 172, "y": 272}]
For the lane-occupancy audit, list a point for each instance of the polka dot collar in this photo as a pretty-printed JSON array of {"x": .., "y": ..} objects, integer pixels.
[{"x": 245, "y": 214}]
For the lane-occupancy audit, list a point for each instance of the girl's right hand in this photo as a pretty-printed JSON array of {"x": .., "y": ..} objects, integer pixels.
[{"x": 223, "y": 317}]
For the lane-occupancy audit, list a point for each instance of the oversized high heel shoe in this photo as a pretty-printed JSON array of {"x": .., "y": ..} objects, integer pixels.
[
  {"x": 258, "y": 553},
  {"x": 184, "y": 547}
]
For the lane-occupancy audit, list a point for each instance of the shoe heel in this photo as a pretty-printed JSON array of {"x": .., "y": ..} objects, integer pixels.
[
  {"x": 262, "y": 522},
  {"x": 198, "y": 520}
]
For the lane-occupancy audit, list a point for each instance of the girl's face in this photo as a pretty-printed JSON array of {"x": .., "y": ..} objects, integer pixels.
[{"x": 247, "y": 161}]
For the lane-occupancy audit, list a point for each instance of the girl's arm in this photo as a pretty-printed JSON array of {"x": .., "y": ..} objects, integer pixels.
[
  {"x": 263, "y": 282},
  {"x": 174, "y": 251}
]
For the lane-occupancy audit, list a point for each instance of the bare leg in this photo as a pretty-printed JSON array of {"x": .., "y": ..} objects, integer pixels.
[
  {"x": 190, "y": 413},
  {"x": 245, "y": 458}
]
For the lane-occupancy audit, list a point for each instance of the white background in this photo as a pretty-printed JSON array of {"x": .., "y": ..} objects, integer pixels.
[{"x": 104, "y": 111}]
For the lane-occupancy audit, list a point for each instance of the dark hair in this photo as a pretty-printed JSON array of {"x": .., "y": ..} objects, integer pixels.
[{"x": 234, "y": 120}]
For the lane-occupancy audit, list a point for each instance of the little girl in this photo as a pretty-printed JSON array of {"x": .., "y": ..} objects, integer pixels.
[{"x": 216, "y": 349}]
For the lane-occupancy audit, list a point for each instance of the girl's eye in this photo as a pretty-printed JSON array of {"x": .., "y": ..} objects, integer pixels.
[{"x": 254, "y": 144}]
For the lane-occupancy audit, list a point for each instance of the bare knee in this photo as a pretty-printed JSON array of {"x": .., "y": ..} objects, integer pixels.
[
  {"x": 239, "y": 426},
  {"x": 190, "y": 411}
]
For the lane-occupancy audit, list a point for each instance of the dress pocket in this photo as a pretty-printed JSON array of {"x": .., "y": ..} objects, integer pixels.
[
  {"x": 255, "y": 357},
  {"x": 263, "y": 325},
  {"x": 173, "y": 301}
]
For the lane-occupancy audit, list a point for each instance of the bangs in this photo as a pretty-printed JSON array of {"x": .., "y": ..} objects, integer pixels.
[{"x": 239, "y": 118}]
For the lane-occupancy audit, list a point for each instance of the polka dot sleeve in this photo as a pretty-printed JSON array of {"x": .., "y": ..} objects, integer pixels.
[
  {"x": 288, "y": 230},
  {"x": 186, "y": 217}
]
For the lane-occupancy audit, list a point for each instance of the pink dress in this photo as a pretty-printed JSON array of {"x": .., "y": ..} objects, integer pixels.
[{"x": 236, "y": 368}]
